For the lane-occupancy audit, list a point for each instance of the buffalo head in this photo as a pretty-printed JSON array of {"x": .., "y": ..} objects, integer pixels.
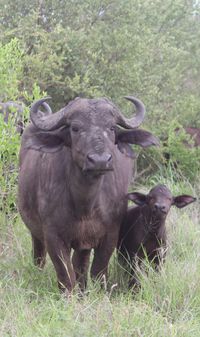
[
  {"x": 93, "y": 129},
  {"x": 159, "y": 200}
]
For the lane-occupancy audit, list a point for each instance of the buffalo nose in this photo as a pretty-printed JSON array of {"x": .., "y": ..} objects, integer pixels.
[
  {"x": 160, "y": 207},
  {"x": 99, "y": 161},
  {"x": 95, "y": 158}
]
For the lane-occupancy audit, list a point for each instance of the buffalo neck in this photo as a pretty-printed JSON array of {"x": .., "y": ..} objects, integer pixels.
[{"x": 84, "y": 191}]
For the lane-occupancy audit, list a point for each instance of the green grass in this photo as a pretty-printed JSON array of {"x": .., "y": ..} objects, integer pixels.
[{"x": 167, "y": 305}]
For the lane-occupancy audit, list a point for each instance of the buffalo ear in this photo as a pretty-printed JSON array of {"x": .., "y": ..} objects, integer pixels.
[
  {"x": 126, "y": 149},
  {"x": 139, "y": 199},
  {"x": 48, "y": 142},
  {"x": 138, "y": 137},
  {"x": 183, "y": 200}
]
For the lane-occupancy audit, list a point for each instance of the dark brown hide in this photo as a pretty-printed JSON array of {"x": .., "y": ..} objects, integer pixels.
[
  {"x": 143, "y": 230},
  {"x": 73, "y": 183}
]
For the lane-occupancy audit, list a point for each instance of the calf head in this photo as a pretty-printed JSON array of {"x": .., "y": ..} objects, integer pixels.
[
  {"x": 159, "y": 201},
  {"x": 91, "y": 128}
]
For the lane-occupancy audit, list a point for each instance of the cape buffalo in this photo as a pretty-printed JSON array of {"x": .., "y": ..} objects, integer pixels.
[
  {"x": 16, "y": 110},
  {"x": 190, "y": 140},
  {"x": 194, "y": 134},
  {"x": 143, "y": 230},
  {"x": 75, "y": 169}
]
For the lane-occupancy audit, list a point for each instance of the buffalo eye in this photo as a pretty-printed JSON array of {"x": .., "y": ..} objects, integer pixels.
[
  {"x": 112, "y": 128},
  {"x": 151, "y": 199},
  {"x": 75, "y": 128}
]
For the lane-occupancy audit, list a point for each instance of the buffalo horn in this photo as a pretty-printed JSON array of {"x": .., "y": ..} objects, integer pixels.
[
  {"x": 134, "y": 122},
  {"x": 49, "y": 121},
  {"x": 48, "y": 110}
]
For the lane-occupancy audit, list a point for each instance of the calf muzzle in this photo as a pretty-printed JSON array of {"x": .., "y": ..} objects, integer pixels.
[{"x": 160, "y": 208}]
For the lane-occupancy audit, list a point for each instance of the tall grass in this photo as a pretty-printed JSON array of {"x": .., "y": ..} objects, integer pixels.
[{"x": 168, "y": 303}]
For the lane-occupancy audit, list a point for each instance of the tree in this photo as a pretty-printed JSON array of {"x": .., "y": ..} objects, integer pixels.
[{"x": 102, "y": 48}]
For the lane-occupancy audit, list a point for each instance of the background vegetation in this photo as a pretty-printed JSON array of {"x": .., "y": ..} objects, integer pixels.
[{"x": 149, "y": 49}]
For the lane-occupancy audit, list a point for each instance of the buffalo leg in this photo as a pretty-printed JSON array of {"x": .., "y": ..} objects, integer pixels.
[
  {"x": 123, "y": 257},
  {"x": 134, "y": 283},
  {"x": 101, "y": 259},
  {"x": 39, "y": 252},
  {"x": 81, "y": 260},
  {"x": 60, "y": 256}
]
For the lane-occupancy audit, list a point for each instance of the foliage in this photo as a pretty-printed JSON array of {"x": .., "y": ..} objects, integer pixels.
[
  {"x": 11, "y": 60},
  {"x": 102, "y": 48},
  {"x": 9, "y": 145},
  {"x": 183, "y": 156},
  {"x": 10, "y": 69},
  {"x": 9, "y": 153}
]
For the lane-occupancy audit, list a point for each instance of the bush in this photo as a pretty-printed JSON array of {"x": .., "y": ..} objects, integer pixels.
[
  {"x": 183, "y": 156},
  {"x": 9, "y": 145}
]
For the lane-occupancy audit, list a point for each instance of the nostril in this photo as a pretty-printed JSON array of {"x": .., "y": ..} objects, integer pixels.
[
  {"x": 109, "y": 157},
  {"x": 91, "y": 158},
  {"x": 156, "y": 206}
]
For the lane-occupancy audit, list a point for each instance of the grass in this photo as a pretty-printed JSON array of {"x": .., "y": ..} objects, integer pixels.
[{"x": 167, "y": 305}]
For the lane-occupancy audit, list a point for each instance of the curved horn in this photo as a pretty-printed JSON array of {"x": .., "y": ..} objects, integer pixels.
[
  {"x": 134, "y": 122},
  {"x": 48, "y": 110},
  {"x": 46, "y": 122}
]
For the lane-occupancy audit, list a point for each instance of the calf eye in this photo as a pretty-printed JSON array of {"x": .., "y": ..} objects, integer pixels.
[{"x": 112, "y": 128}]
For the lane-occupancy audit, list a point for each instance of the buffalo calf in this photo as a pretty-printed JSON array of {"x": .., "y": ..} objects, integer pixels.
[{"x": 143, "y": 230}]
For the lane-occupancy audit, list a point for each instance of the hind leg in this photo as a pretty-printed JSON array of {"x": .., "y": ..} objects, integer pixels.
[{"x": 39, "y": 252}]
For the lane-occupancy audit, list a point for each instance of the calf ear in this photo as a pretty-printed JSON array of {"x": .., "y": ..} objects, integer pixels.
[
  {"x": 139, "y": 137},
  {"x": 48, "y": 142},
  {"x": 183, "y": 200},
  {"x": 139, "y": 199}
]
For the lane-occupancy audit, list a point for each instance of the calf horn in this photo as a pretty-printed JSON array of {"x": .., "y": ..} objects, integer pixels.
[{"x": 134, "y": 122}]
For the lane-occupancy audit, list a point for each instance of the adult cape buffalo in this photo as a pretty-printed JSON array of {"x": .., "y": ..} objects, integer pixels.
[{"x": 75, "y": 169}]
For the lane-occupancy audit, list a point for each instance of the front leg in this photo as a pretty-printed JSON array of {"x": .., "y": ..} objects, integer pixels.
[
  {"x": 81, "y": 260},
  {"x": 60, "y": 256},
  {"x": 102, "y": 256},
  {"x": 134, "y": 282},
  {"x": 159, "y": 257}
]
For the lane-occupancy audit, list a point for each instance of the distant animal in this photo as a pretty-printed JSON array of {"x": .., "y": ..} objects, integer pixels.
[
  {"x": 194, "y": 133},
  {"x": 143, "y": 229},
  {"x": 75, "y": 169},
  {"x": 16, "y": 110},
  {"x": 191, "y": 132}
]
